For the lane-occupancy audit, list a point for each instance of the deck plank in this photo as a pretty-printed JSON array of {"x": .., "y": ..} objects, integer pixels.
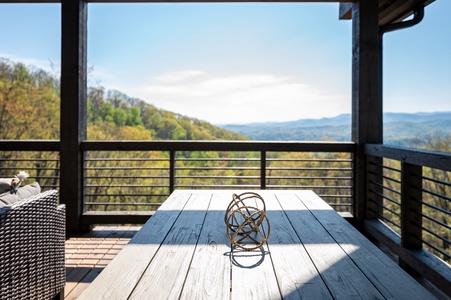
[
  {"x": 138, "y": 254},
  {"x": 297, "y": 275},
  {"x": 209, "y": 274},
  {"x": 392, "y": 281},
  {"x": 164, "y": 278},
  {"x": 342, "y": 277}
]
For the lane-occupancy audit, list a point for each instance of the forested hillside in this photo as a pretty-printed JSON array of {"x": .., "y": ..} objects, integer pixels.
[
  {"x": 111, "y": 110},
  {"x": 30, "y": 109}
]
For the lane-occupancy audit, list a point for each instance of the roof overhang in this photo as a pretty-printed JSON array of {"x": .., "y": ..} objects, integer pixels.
[{"x": 390, "y": 11}]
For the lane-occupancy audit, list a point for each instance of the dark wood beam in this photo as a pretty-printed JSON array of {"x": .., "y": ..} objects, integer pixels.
[
  {"x": 425, "y": 158},
  {"x": 345, "y": 11},
  {"x": 29, "y": 145},
  {"x": 73, "y": 108},
  {"x": 218, "y": 146},
  {"x": 175, "y": 1},
  {"x": 389, "y": 11},
  {"x": 366, "y": 104}
]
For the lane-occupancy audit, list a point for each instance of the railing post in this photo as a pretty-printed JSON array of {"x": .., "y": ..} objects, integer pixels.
[
  {"x": 171, "y": 171},
  {"x": 411, "y": 221},
  {"x": 375, "y": 180},
  {"x": 263, "y": 170}
]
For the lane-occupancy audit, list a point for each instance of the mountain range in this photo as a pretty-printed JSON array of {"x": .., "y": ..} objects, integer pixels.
[{"x": 399, "y": 128}]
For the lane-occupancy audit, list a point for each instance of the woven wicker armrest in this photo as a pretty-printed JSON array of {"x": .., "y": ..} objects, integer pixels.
[{"x": 32, "y": 237}]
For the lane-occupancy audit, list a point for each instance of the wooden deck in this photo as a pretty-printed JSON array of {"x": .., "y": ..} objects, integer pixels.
[
  {"x": 89, "y": 254},
  {"x": 174, "y": 256}
]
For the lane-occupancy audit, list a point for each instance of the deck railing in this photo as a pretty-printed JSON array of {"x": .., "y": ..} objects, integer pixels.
[
  {"x": 140, "y": 175},
  {"x": 409, "y": 207}
]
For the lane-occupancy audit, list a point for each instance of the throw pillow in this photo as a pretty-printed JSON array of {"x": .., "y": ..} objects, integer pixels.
[
  {"x": 22, "y": 193},
  {"x": 28, "y": 190}
]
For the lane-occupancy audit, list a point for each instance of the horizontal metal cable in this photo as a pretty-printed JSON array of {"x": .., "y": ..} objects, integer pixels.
[
  {"x": 433, "y": 206},
  {"x": 384, "y": 197},
  {"x": 385, "y": 187},
  {"x": 436, "y": 181},
  {"x": 444, "y": 253},
  {"x": 432, "y": 219},
  {"x": 437, "y": 194}
]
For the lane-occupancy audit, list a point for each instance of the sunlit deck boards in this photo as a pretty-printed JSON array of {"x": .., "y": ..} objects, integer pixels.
[{"x": 312, "y": 253}]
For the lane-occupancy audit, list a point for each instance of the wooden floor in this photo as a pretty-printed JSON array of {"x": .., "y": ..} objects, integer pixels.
[{"x": 89, "y": 254}]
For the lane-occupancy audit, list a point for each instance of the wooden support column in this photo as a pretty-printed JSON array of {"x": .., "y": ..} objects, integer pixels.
[
  {"x": 73, "y": 109},
  {"x": 366, "y": 103}
]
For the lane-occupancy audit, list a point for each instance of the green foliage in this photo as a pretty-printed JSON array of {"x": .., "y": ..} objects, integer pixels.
[
  {"x": 119, "y": 116},
  {"x": 133, "y": 117},
  {"x": 29, "y": 99}
]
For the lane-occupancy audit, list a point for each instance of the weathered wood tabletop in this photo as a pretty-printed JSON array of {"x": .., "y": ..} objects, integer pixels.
[{"x": 183, "y": 252}]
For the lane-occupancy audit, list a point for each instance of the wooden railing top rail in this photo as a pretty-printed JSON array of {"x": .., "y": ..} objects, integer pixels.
[
  {"x": 176, "y": 145},
  {"x": 29, "y": 145},
  {"x": 170, "y": 145},
  {"x": 278, "y": 146},
  {"x": 424, "y": 158}
]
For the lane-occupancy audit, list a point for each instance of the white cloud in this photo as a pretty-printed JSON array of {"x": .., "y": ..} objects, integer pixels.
[{"x": 242, "y": 98}]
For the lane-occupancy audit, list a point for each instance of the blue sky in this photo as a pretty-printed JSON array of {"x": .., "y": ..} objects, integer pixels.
[{"x": 238, "y": 63}]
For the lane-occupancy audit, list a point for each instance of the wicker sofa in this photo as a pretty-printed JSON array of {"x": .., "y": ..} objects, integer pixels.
[{"x": 32, "y": 237}]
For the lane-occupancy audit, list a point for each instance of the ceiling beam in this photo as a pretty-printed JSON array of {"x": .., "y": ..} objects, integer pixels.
[
  {"x": 390, "y": 11},
  {"x": 180, "y": 1},
  {"x": 345, "y": 11}
]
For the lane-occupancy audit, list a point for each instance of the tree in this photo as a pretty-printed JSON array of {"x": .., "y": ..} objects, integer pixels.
[
  {"x": 133, "y": 117},
  {"x": 106, "y": 112},
  {"x": 119, "y": 116},
  {"x": 179, "y": 133}
]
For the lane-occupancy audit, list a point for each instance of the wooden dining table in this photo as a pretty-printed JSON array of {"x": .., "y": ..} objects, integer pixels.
[{"x": 184, "y": 252}]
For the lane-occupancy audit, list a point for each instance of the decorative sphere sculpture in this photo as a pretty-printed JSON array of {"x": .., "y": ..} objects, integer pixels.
[{"x": 246, "y": 222}]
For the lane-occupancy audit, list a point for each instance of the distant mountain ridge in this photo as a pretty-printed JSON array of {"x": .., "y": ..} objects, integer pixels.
[
  {"x": 399, "y": 128},
  {"x": 345, "y": 119}
]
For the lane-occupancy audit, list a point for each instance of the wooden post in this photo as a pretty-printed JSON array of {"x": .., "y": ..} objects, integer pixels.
[
  {"x": 263, "y": 170},
  {"x": 73, "y": 109},
  {"x": 171, "y": 171},
  {"x": 411, "y": 221},
  {"x": 366, "y": 104},
  {"x": 374, "y": 173}
]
